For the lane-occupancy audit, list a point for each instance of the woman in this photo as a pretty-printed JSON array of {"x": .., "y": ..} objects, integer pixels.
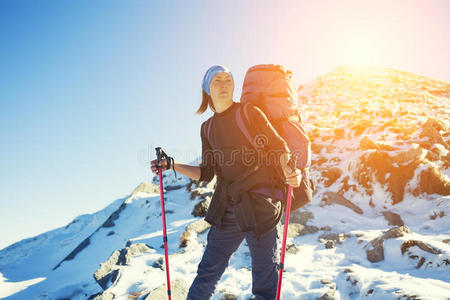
[{"x": 222, "y": 137}]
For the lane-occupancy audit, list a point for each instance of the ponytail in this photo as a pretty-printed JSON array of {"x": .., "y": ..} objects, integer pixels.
[{"x": 206, "y": 101}]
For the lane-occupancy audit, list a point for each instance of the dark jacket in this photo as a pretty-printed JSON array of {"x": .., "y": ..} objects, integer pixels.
[{"x": 240, "y": 183}]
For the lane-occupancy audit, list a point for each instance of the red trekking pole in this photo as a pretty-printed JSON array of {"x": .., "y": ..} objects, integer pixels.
[
  {"x": 283, "y": 247},
  {"x": 160, "y": 154}
]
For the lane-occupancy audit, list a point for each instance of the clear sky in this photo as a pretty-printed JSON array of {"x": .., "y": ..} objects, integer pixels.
[{"x": 89, "y": 88}]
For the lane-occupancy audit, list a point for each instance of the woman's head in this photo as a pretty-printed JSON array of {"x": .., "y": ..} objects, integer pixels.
[{"x": 217, "y": 87}]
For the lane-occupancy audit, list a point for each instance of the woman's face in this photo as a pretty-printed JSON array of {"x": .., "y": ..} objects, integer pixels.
[{"x": 221, "y": 87}]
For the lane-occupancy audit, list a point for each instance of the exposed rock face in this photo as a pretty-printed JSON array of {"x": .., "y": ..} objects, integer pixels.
[
  {"x": 331, "y": 175},
  {"x": 411, "y": 248},
  {"x": 201, "y": 208},
  {"x": 332, "y": 197},
  {"x": 433, "y": 181},
  {"x": 107, "y": 275},
  {"x": 390, "y": 123},
  {"x": 146, "y": 187},
  {"x": 393, "y": 218},
  {"x": 425, "y": 247},
  {"x": 179, "y": 289}
]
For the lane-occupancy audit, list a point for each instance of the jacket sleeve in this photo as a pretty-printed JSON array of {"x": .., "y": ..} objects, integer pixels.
[
  {"x": 206, "y": 166},
  {"x": 265, "y": 133}
]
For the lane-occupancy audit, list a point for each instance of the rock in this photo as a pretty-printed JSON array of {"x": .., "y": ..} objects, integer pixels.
[
  {"x": 393, "y": 218},
  {"x": 411, "y": 155},
  {"x": 367, "y": 144},
  {"x": 430, "y": 130},
  {"x": 347, "y": 270},
  {"x": 433, "y": 181},
  {"x": 295, "y": 230},
  {"x": 375, "y": 253},
  {"x": 396, "y": 232},
  {"x": 361, "y": 125},
  {"x": 201, "y": 208},
  {"x": 446, "y": 241},
  {"x": 387, "y": 171},
  {"x": 195, "y": 193},
  {"x": 329, "y": 294},
  {"x": 330, "y": 244},
  {"x": 108, "y": 273},
  {"x": 174, "y": 187},
  {"x": 146, "y": 187},
  {"x": 325, "y": 228},
  {"x": 375, "y": 249},
  {"x": 332, "y": 197},
  {"x": 300, "y": 217},
  {"x": 292, "y": 249},
  {"x": 199, "y": 226},
  {"x": 179, "y": 289},
  {"x": 331, "y": 175},
  {"x": 184, "y": 238},
  {"x": 325, "y": 281},
  {"x": 335, "y": 237},
  {"x": 159, "y": 264},
  {"x": 425, "y": 247},
  {"x": 228, "y": 296},
  {"x": 103, "y": 296}
]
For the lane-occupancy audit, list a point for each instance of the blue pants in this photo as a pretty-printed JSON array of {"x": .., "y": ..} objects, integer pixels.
[{"x": 221, "y": 244}]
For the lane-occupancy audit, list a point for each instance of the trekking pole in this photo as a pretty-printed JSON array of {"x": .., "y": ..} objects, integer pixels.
[
  {"x": 160, "y": 154},
  {"x": 283, "y": 247}
]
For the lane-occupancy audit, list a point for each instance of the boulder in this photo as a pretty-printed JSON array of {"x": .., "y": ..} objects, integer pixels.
[
  {"x": 108, "y": 274},
  {"x": 197, "y": 227},
  {"x": 179, "y": 289},
  {"x": 396, "y": 232},
  {"x": 375, "y": 251}
]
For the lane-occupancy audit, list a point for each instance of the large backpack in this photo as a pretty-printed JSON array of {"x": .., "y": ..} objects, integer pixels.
[{"x": 272, "y": 89}]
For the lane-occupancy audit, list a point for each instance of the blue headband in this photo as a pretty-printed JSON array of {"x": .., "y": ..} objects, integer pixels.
[{"x": 209, "y": 75}]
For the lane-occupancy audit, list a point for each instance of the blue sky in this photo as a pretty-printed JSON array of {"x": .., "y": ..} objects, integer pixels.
[{"x": 88, "y": 88}]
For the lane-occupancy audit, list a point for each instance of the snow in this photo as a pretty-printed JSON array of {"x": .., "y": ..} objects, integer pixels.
[{"x": 26, "y": 267}]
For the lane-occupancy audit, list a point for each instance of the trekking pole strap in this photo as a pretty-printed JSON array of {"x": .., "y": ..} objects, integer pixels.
[{"x": 160, "y": 154}]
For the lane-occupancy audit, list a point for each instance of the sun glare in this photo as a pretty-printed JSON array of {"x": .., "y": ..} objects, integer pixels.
[{"x": 363, "y": 47}]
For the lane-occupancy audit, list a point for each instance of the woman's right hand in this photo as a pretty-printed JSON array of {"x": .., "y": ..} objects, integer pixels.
[
  {"x": 293, "y": 176},
  {"x": 162, "y": 164}
]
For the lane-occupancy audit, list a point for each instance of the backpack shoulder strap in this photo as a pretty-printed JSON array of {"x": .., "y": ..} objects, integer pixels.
[
  {"x": 206, "y": 129},
  {"x": 243, "y": 123}
]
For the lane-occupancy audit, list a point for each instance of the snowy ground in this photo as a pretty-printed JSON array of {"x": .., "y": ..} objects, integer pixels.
[{"x": 340, "y": 110}]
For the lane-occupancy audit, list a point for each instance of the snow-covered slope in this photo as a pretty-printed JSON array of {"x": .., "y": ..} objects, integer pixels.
[{"x": 378, "y": 226}]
